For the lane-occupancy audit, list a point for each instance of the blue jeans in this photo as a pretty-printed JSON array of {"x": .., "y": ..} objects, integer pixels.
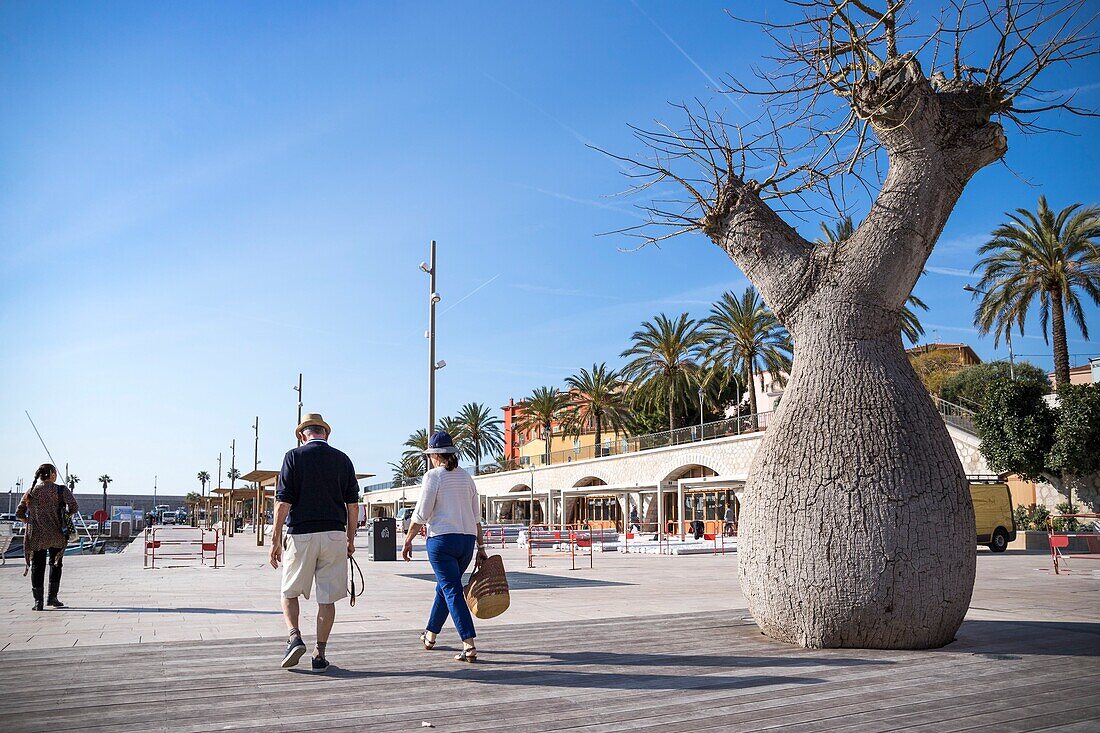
[{"x": 450, "y": 555}]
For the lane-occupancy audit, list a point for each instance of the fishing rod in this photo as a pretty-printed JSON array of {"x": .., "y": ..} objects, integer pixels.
[{"x": 40, "y": 440}]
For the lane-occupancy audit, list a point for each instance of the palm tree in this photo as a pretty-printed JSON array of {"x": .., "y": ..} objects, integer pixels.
[
  {"x": 454, "y": 427},
  {"x": 911, "y": 327},
  {"x": 203, "y": 478},
  {"x": 596, "y": 398},
  {"x": 745, "y": 337},
  {"x": 408, "y": 470},
  {"x": 1046, "y": 256},
  {"x": 540, "y": 411},
  {"x": 665, "y": 365},
  {"x": 192, "y": 500},
  {"x": 417, "y": 443},
  {"x": 105, "y": 479},
  {"x": 73, "y": 481},
  {"x": 233, "y": 474},
  {"x": 483, "y": 436}
]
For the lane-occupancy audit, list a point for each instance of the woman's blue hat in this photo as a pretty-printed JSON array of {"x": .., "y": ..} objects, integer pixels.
[{"x": 440, "y": 443}]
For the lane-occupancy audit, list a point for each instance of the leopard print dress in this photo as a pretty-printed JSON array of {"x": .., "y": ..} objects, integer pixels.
[{"x": 39, "y": 508}]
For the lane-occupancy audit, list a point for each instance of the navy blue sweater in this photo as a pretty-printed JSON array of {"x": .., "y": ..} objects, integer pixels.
[{"x": 318, "y": 481}]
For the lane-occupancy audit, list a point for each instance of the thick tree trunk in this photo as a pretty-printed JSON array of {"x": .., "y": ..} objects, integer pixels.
[
  {"x": 1058, "y": 331},
  {"x": 858, "y": 525},
  {"x": 857, "y": 528}
]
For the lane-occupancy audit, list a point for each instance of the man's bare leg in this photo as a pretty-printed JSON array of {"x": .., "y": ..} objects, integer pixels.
[
  {"x": 326, "y": 616},
  {"x": 290, "y": 614}
]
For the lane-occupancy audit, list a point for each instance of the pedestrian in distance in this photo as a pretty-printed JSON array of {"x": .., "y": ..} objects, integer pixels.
[
  {"x": 318, "y": 499},
  {"x": 450, "y": 509},
  {"x": 730, "y": 522},
  {"x": 635, "y": 523},
  {"x": 44, "y": 508}
]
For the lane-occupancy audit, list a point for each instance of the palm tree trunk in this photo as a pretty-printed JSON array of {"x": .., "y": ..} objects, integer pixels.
[
  {"x": 1058, "y": 327},
  {"x": 751, "y": 374},
  {"x": 549, "y": 438},
  {"x": 598, "y": 451},
  {"x": 671, "y": 415},
  {"x": 477, "y": 458}
]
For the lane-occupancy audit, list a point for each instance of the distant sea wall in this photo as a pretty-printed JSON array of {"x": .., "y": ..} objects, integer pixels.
[{"x": 90, "y": 502}]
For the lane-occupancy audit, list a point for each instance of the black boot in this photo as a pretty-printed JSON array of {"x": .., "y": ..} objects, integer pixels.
[
  {"x": 37, "y": 592},
  {"x": 55, "y": 583}
]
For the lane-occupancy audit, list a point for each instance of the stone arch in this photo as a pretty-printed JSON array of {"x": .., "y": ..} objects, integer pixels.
[
  {"x": 590, "y": 481},
  {"x": 693, "y": 466},
  {"x": 519, "y": 487}
]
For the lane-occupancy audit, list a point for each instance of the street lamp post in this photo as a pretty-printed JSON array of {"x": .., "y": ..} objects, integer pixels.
[
  {"x": 700, "y": 413},
  {"x": 298, "y": 389},
  {"x": 433, "y": 299},
  {"x": 1008, "y": 334}
]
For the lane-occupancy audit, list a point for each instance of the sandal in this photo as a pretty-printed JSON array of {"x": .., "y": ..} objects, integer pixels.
[
  {"x": 469, "y": 654},
  {"x": 426, "y": 642}
]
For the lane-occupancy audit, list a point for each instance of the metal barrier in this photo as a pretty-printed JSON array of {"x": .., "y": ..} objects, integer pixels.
[
  {"x": 183, "y": 543},
  {"x": 561, "y": 539},
  {"x": 1063, "y": 539}
]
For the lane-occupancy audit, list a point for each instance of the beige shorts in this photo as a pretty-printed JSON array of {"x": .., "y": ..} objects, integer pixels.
[{"x": 320, "y": 557}]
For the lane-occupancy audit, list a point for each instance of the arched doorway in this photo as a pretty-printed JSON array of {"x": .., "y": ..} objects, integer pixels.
[
  {"x": 596, "y": 510},
  {"x": 700, "y": 503}
]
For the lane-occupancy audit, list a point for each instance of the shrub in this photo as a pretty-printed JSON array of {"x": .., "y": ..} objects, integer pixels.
[{"x": 1068, "y": 524}]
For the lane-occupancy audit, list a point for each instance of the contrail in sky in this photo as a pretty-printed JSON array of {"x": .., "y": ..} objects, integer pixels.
[
  {"x": 685, "y": 54},
  {"x": 467, "y": 295}
]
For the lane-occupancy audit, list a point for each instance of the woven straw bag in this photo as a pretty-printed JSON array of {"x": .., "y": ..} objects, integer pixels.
[{"x": 487, "y": 591}]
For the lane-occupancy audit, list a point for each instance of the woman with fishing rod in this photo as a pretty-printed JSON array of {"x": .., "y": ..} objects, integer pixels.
[{"x": 45, "y": 509}]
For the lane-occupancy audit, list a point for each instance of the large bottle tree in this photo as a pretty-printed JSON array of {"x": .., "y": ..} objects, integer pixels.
[{"x": 858, "y": 530}]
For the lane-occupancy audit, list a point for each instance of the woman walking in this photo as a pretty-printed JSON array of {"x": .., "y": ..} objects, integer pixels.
[
  {"x": 449, "y": 507},
  {"x": 43, "y": 508}
]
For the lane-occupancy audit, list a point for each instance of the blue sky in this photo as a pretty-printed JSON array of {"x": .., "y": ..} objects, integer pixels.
[{"x": 198, "y": 201}]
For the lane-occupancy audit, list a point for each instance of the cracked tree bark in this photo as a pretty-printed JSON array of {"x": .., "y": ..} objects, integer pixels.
[{"x": 857, "y": 528}]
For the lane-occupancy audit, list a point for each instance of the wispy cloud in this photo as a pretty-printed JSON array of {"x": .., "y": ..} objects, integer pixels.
[
  {"x": 952, "y": 271},
  {"x": 576, "y": 135},
  {"x": 586, "y": 202},
  {"x": 565, "y": 292}
]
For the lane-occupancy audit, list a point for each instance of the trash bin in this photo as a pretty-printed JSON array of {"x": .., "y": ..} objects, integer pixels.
[{"x": 382, "y": 539}]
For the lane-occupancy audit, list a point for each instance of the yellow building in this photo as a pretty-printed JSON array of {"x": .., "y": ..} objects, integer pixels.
[{"x": 565, "y": 448}]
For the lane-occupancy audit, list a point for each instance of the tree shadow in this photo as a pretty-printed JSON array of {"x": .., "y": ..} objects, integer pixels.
[
  {"x": 686, "y": 660},
  {"x": 1004, "y": 639},
  {"x": 505, "y": 673},
  {"x": 169, "y": 609}
]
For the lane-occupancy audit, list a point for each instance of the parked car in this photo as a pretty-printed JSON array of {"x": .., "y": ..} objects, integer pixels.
[
  {"x": 404, "y": 517},
  {"x": 168, "y": 518},
  {"x": 993, "y": 516},
  {"x": 17, "y": 527}
]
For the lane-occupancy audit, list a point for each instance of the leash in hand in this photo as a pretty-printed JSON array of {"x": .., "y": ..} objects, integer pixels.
[{"x": 353, "y": 568}]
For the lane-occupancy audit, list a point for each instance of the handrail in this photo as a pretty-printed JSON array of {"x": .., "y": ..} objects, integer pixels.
[
  {"x": 955, "y": 415},
  {"x": 727, "y": 427}
]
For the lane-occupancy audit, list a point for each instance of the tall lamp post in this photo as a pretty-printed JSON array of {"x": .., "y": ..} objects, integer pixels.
[
  {"x": 433, "y": 365},
  {"x": 700, "y": 412},
  {"x": 298, "y": 389},
  {"x": 1008, "y": 333}
]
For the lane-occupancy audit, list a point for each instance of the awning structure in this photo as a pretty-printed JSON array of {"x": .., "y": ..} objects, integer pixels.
[{"x": 270, "y": 478}]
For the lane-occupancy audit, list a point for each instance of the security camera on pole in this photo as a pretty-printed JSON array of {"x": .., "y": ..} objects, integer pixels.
[{"x": 433, "y": 365}]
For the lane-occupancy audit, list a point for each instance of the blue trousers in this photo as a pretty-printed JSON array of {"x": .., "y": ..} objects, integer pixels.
[{"x": 450, "y": 555}]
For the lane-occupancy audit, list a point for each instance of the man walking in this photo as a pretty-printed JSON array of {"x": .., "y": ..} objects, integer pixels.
[{"x": 318, "y": 499}]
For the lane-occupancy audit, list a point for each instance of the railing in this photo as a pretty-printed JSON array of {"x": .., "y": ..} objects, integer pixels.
[
  {"x": 725, "y": 428},
  {"x": 956, "y": 415}
]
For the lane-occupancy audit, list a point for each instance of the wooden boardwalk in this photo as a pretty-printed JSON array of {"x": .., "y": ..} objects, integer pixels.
[{"x": 699, "y": 672}]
